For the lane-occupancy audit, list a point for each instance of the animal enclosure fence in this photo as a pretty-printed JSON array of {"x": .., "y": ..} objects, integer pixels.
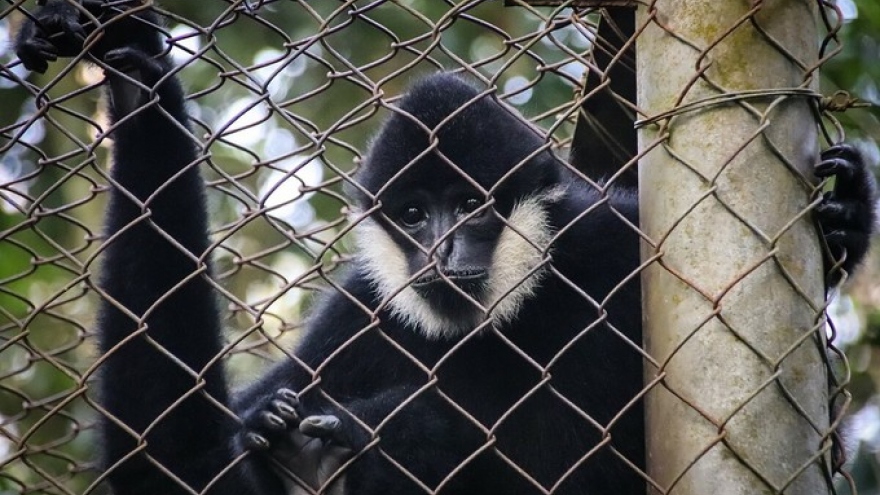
[{"x": 285, "y": 97}]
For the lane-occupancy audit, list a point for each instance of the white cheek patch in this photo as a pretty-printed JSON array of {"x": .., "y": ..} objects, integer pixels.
[
  {"x": 513, "y": 275},
  {"x": 385, "y": 264}
]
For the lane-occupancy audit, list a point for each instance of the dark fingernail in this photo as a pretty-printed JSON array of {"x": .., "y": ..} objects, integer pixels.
[
  {"x": 273, "y": 421},
  {"x": 288, "y": 395},
  {"x": 319, "y": 424},
  {"x": 284, "y": 409},
  {"x": 254, "y": 441}
]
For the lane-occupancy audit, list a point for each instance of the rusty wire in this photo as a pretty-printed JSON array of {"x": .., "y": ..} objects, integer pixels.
[{"x": 320, "y": 101}]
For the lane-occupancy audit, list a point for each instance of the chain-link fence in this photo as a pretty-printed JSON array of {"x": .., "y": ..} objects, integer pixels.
[{"x": 525, "y": 371}]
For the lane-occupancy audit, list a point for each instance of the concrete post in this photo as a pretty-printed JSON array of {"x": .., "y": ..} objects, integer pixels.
[{"x": 733, "y": 302}]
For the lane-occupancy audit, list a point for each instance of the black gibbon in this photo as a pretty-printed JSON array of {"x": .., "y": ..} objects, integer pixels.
[{"x": 485, "y": 341}]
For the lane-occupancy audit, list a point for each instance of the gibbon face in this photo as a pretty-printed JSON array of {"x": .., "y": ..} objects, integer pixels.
[
  {"x": 448, "y": 262},
  {"x": 462, "y": 229}
]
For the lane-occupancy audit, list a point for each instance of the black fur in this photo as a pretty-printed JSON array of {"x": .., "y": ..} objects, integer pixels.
[{"x": 449, "y": 398}]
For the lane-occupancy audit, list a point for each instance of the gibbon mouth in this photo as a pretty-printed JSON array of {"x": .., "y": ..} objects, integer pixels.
[
  {"x": 461, "y": 278},
  {"x": 449, "y": 299}
]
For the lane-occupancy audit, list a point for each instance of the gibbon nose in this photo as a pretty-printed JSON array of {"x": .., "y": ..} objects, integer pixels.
[
  {"x": 451, "y": 255},
  {"x": 444, "y": 241},
  {"x": 444, "y": 250},
  {"x": 453, "y": 252}
]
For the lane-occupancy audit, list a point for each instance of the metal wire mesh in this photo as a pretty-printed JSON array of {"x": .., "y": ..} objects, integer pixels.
[{"x": 284, "y": 98}]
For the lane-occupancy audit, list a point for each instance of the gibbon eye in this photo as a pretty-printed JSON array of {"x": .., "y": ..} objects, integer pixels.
[
  {"x": 470, "y": 205},
  {"x": 412, "y": 215}
]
